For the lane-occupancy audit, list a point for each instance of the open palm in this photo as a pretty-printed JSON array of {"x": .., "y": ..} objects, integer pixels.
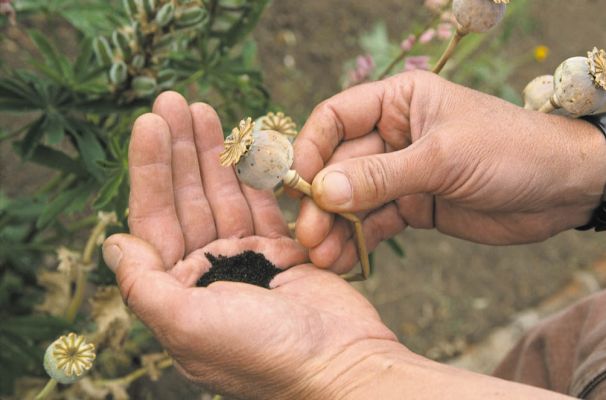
[{"x": 233, "y": 337}]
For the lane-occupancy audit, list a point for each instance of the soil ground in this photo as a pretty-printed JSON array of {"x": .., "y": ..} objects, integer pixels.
[{"x": 446, "y": 293}]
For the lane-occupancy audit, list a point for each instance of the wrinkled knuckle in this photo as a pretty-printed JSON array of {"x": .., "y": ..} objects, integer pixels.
[{"x": 374, "y": 178}]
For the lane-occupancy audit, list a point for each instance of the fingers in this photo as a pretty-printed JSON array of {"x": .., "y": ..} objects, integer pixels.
[
  {"x": 146, "y": 288},
  {"x": 369, "y": 182},
  {"x": 192, "y": 206},
  {"x": 313, "y": 224},
  {"x": 231, "y": 212},
  {"x": 267, "y": 218},
  {"x": 151, "y": 202},
  {"x": 378, "y": 226},
  {"x": 350, "y": 114}
]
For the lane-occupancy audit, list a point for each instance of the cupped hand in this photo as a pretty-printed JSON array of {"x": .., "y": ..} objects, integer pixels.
[
  {"x": 416, "y": 150},
  {"x": 295, "y": 341}
]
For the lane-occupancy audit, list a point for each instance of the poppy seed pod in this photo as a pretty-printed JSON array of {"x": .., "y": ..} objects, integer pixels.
[
  {"x": 538, "y": 92},
  {"x": 68, "y": 358},
  {"x": 261, "y": 158},
  {"x": 576, "y": 88},
  {"x": 478, "y": 15}
]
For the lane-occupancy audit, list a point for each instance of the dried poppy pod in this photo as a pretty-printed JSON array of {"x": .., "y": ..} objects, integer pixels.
[
  {"x": 472, "y": 16},
  {"x": 68, "y": 358},
  {"x": 580, "y": 85},
  {"x": 537, "y": 92},
  {"x": 263, "y": 158},
  {"x": 478, "y": 15}
]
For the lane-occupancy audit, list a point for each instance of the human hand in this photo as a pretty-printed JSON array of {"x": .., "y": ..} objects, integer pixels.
[
  {"x": 295, "y": 341},
  {"x": 416, "y": 150}
]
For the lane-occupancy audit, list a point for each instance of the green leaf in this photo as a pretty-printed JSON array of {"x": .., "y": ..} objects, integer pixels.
[
  {"x": 53, "y": 58},
  {"x": 63, "y": 202},
  {"x": 56, "y": 159},
  {"x": 396, "y": 247},
  {"x": 54, "y": 128},
  {"x": 25, "y": 148},
  {"x": 35, "y": 327},
  {"x": 109, "y": 191}
]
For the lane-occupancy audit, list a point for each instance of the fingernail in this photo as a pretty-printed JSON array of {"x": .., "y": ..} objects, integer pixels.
[
  {"x": 112, "y": 255},
  {"x": 336, "y": 188}
]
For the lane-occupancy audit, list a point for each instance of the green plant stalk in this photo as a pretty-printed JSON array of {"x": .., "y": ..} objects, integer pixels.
[
  {"x": 87, "y": 256},
  {"x": 48, "y": 389},
  {"x": 452, "y": 46},
  {"x": 133, "y": 376},
  {"x": 404, "y": 53}
]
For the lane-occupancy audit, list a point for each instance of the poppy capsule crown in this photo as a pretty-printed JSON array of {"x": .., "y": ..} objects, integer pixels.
[{"x": 261, "y": 158}]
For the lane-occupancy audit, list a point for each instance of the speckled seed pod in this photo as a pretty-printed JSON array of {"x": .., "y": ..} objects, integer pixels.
[
  {"x": 68, "y": 358},
  {"x": 478, "y": 15},
  {"x": 538, "y": 92},
  {"x": 267, "y": 161},
  {"x": 575, "y": 89},
  {"x": 261, "y": 158}
]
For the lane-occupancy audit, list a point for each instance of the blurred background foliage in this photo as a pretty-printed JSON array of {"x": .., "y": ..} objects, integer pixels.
[
  {"x": 72, "y": 104},
  {"x": 75, "y": 108}
]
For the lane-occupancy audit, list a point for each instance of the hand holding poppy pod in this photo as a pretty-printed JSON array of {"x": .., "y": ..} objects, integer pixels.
[{"x": 263, "y": 158}]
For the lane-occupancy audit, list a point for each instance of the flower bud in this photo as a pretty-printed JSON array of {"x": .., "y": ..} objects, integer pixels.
[
  {"x": 118, "y": 73},
  {"x": 122, "y": 43},
  {"x": 165, "y": 14},
  {"x": 478, "y": 15},
  {"x": 190, "y": 17},
  {"x": 261, "y": 158},
  {"x": 102, "y": 50},
  {"x": 167, "y": 78},
  {"x": 149, "y": 6},
  {"x": 144, "y": 86},
  {"x": 68, "y": 358},
  {"x": 138, "y": 61},
  {"x": 576, "y": 89},
  {"x": 131, "y": 8}
]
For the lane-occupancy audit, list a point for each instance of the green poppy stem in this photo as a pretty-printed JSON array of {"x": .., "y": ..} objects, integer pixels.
[{"x": 48, "y": 389}]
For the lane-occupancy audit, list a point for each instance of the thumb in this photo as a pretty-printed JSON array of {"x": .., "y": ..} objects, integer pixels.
[
  {"x": 366, "y": 183},
  {"x": 145, "y": 285}
]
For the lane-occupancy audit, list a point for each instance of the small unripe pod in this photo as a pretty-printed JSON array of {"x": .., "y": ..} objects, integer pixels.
[
  {"x": 122, "y": 43},
  {"x": 144, "y": 86},
  {"x": 68, "y": 358},
  {"x": 149, "y": 6},
  {"x": 478, "y": 15},
  {"x": 131, "y": 8},
  {"x": 167, "y": 78},
  {"x": 191, "y": 17},
  {"x": 165, "y": 14},
  {"x": 118, "y": 73},
  {"x": 575, "y": 89},
  {"x": 261, "y": 158},
  {"x": 138, "y": 61},
  {"x": 102, "y": 50}
]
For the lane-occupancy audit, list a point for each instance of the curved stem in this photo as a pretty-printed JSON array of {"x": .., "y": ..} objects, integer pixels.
[
  {"x": 87, "y": 256},
  {"x": 48, "y": 389},
  {"x": 404, "y": 53},
  {"x": 550, "y": 105},
  {"x": 293, "y": 179},
  {"x": 452, "y": 46},
  {"x": 133, "y": 376}
]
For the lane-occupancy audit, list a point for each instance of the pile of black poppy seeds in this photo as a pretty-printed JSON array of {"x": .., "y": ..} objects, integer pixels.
[{"x": 247, "y": 267}]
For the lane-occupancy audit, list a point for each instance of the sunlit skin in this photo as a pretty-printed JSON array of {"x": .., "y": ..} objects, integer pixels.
[
  {"x": 495, "y": 173},
  {"x": 498, "y": 174}
]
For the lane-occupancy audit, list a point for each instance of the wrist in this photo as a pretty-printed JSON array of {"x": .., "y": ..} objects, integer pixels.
[{"x": 585, "y": 182}]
